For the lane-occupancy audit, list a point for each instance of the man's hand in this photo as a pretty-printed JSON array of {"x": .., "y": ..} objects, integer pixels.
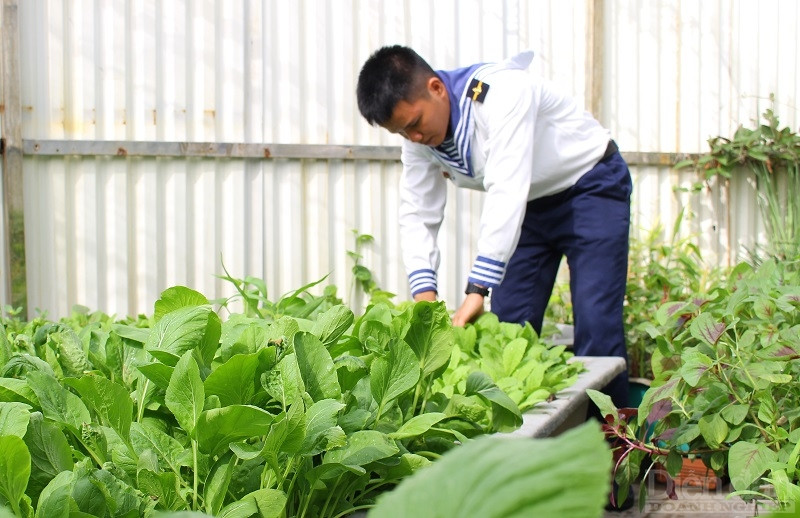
[
  {"x": 470, "y": 309},
  {"x": 430, "y": 296}
]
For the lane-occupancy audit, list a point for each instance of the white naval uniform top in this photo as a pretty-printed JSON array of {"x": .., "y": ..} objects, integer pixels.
[{"x": 527, "y": 141}]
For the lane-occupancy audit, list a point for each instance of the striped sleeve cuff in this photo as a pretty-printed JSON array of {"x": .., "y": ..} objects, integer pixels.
[
  {"x": 487, "y": 272},
  {"x": 422, "y": 280}
]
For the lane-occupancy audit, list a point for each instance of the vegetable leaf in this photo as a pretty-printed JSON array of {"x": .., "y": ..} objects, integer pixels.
[
  {"x": 50, "y": 452},
  {"x": 505, "y": 413},
  {"x": 15, "y": 468},
  {"x": 747, "y": 462},
  {"x": 185, "y": 395},
  {"x": 316, "y": 367},
  {"x": 59, "y": 404},
  {"x": 495, "y": 477},
  {"x": 218, "y": 427},
  {"x": 14, "y": 419},
  {"x": 394, "y": 374},
  {"x": 111, "y": 401},
  {"x": 177, "y": 297},
  {"x": 234, "y": 382},
  {"x": 418, "y": 425},
  {"x": 363, "y": 447},
  {"x": 179, "y": 331},
  {"x": 430, "y": 336}
]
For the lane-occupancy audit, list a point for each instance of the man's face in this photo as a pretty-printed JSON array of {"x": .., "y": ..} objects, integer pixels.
[{"x": 425, "y": 119}]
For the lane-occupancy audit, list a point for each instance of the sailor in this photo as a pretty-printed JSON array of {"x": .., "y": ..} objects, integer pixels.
[{"x": 555, "y": 186}]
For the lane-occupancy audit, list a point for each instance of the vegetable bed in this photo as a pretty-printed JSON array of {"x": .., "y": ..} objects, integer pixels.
[{"x": 294, "y": 408}]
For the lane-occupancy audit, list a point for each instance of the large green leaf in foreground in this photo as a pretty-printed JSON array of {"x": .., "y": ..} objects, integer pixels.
[
  {"x": 501, "y": 477},
  {"x": 15, "y": 469}
]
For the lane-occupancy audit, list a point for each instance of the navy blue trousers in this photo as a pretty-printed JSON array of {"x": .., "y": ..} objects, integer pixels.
[{"x": 589, "y": 224}]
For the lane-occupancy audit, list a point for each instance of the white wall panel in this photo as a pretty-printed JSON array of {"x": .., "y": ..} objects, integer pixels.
[
  {"x": 681, "y": 72},
  {"x": 112, "y": 233}
]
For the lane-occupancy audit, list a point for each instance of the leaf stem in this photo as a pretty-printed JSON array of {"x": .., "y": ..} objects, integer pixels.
[
  {"x": 731, "y": 388},
  {"x": 378, "y": 414},
  {"x": 331, "y": 492},
  {"x": 416, "y": 398},
  {"x": 294, "y": 478},
  {"x": 373, "y": 487},
  {"x": 307, "y": 503},
  {"x": 428, "y": 454},
  {"x": 194, "y": 471},
  {"x": 424, "y": 400},
  {"x": 15, "y": 507},
  {"x": 356, "y": 508},
  {"x": 289, "y": 464},
  {"x": 142, "y": 395}
]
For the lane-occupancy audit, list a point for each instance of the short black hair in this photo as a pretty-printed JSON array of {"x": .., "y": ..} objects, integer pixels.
[{"x": 391, "y": 74}]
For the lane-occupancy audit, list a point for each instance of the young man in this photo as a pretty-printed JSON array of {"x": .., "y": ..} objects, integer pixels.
[{"x": 555, "y": 185}]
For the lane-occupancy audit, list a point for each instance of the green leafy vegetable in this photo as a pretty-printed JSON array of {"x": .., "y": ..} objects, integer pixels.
[
  {"x": 507, "y": 478},
  {"x": 15, "y": 469},
  {"x": 294, "y": 408}
]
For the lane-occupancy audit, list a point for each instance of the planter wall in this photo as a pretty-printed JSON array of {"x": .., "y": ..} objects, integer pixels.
[
  {"x": 569, "y": 407},
  {"x": 565, "y": 336}
]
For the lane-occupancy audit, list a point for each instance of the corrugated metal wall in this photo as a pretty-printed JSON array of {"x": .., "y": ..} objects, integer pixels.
[
  {"x": 111, "y": 233},
  {"x": 683, "y": 71}
]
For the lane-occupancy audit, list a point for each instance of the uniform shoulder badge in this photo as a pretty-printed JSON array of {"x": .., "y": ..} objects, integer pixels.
[{"x": 478, "y": 90}]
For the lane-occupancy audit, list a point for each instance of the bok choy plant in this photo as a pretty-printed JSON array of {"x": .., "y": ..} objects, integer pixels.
[{"x": 293, "y": 408}]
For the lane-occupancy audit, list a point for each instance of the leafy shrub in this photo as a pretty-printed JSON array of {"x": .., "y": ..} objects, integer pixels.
[
  {"x": 659, "y": 270},
  {"x": 772, "y": 155},
  {"x": 295, "y": 407},
  {"x": 727, "y": 385}
]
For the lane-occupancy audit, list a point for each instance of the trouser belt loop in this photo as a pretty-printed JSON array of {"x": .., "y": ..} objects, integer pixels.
[{"x": 610, "y": 150}]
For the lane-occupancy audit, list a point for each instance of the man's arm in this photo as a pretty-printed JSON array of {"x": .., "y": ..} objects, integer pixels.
[
  {"x": 423, "y": 193},
  {"x": 425, "y": 295},
  {"x": 508, "y": 117},
  {"x": 470, "y": 309}
]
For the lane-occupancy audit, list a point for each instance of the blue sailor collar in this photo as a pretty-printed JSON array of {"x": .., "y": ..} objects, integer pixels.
[
  {"x": 464, "y": 87},
  {"x": 455, "y": 150}
]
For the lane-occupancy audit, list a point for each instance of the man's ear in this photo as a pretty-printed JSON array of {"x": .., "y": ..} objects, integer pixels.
[{"x": 436, "y": 87}]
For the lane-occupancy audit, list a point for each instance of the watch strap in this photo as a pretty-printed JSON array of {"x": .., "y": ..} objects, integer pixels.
[{"x": 474, "y": 288}]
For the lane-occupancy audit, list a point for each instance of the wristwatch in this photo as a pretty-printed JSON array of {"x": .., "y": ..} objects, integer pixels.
[{"x": 474, "y": 288}]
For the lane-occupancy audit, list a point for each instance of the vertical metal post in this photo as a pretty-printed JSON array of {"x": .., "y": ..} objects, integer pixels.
[
  {"x": 11, "y": 114},
  {"x": 595, "y": 65}
]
